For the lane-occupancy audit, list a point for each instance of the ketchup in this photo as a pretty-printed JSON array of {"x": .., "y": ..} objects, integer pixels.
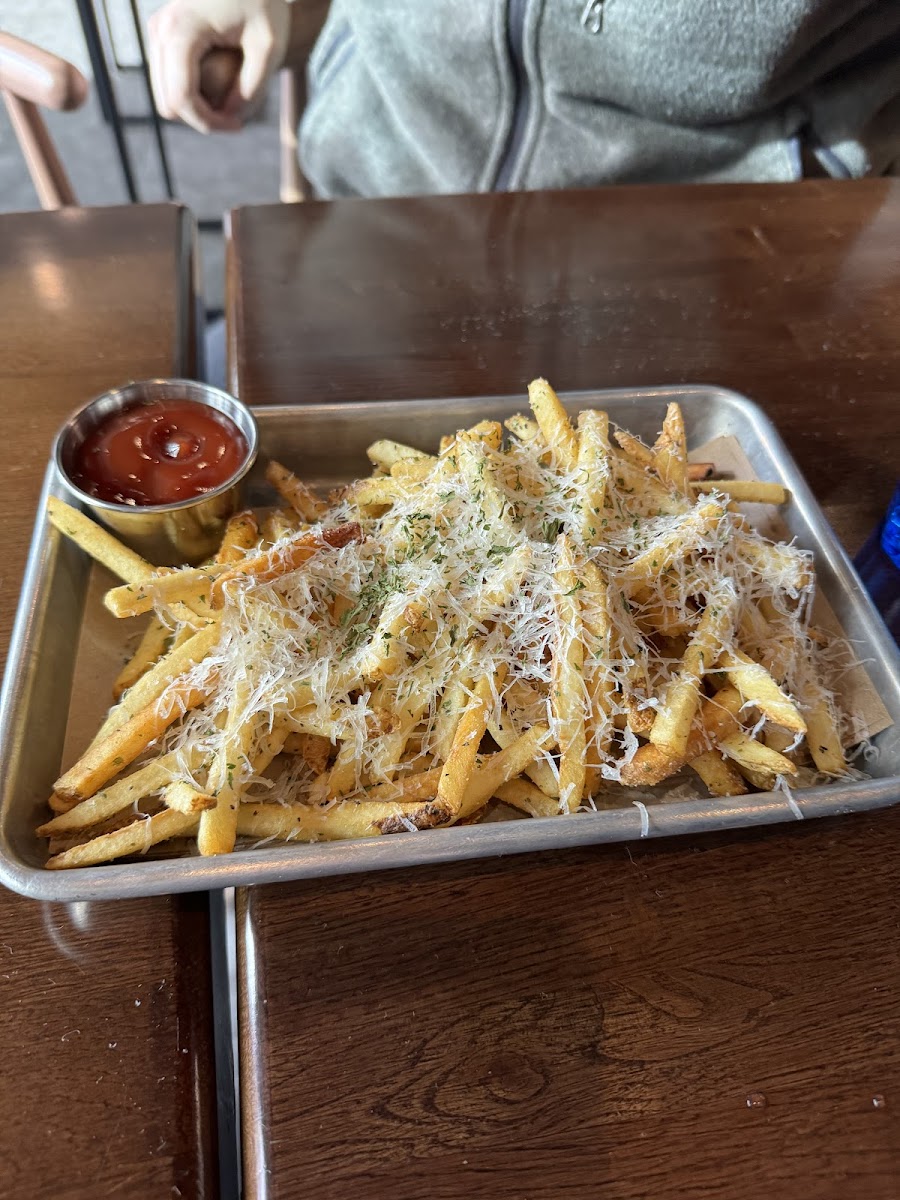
[{"x": 159, "y": 453}]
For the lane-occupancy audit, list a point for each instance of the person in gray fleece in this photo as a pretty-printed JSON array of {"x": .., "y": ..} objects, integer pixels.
[{"x": 411, "y": 97}]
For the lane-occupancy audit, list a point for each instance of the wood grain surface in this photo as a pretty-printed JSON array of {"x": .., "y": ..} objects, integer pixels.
[
  {"x": 106, "y": 1039},
  {"x": 708, "y": 1017}
]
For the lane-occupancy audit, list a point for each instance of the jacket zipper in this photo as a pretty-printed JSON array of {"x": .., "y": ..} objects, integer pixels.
[{"x": 515, "y": 40}]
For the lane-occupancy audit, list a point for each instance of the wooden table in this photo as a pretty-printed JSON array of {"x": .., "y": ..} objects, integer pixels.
[
  {"x": 106, "y": 1038},
  {"x": 715, "y": 1016}
]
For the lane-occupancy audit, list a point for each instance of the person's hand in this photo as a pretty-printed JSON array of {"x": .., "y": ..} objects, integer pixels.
[{"x": 183, "y": 31}]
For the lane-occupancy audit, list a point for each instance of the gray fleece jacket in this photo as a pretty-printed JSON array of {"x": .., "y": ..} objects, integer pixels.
[{"x": 422, "y": 96}]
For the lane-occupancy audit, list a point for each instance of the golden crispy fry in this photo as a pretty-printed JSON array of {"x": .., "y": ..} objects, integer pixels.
[
  {"x": 527, "y": 798},
  {"x": 568, "y": 692},
  {"x": 295, "y": 493},
  {"x": 792, "y": 567},
  {"x": 634, "y": 449},
  {"x": 185, "y": 798},
  {"x": 476, "y": 469},
  {"x": 145, "y": 781},
  {"x": 241, "y": 535},
  {"x": 757, "y": 687},
  {"x": 672, "y": 726},
  {"x": 386, "y": 454},
  {"x": 718, "y": 774},
  {"x": 271, "y": 564},
  {"x": 496, "y": 769},
  {"x": 600, "y": 681},
  {"x": 756, "y": 757},
  {"x": 670, "y": 451},
  {"x": 672, "y": 546},
  {"x": 413, "y": 470},
  {"x": 135, "y": 838},
  {"x": 824, "y": 740},
  {"x": 540, "y": 772},
  {"x": 406, "y": 789},
  {"x": 218, "y": 824},
  {"x": 348, "y": 820},
  {"x": 593, "y": 466},
  {"x": 96, "y": 542},
  {"x": 149, "y": 650},
  {"x": 153, "y": 682},
  {"x": 389, "y": 645},
  {"x": 554, "y": 423},
  {"x": 745, "y": 490},
  {"x": 278, "y": 524},
  {"x": 192, "y": 586},
  {"x": 460, "y": 762},
  {"x": 523, "y": 428},
  {"x": 108, "y": 758}
]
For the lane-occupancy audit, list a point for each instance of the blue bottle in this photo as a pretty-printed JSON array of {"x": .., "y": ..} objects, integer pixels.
[{"x": 878, "y": 564}]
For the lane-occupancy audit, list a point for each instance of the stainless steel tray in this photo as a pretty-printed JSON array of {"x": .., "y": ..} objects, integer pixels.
[{"x": 326, "y": 445}]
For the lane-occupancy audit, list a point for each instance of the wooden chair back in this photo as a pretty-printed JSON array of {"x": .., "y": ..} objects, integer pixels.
[{"x": 30, "y": 79}]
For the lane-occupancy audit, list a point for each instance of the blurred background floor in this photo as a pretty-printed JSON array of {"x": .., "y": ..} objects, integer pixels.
[{"x": 211, "y": 173}]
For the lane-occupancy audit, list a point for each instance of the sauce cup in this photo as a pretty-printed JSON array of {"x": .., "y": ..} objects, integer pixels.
[{"x": 186, "y": 531}]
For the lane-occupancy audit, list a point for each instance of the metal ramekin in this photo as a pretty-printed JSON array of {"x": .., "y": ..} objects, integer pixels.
[{"x": 165, "y": 534}]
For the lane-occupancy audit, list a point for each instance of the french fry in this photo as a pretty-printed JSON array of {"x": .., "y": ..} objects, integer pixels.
[
  {"x": 568, "y": 691},
  {"x": 295, "y": 493},
  {"x": 538, "y": 771},
  {"x": 218, "y": 824},
  {"x": 139, "y": 836},
  {"x": 460, "y": 762},
  {"x": 95, "y": 541},
  {"x": 554, "y": 423},
  {"x": 271, "y": 564},
  {"x": 191, "y": 586},
  {"x": 385, "y": 454},
  {"x": 349, "y": 820},
  {"x": 744, "y": 490},
  {"x": 670, "y": 451},
  {"x": 718, "y": 774},
  {"x": 149, "y": 650},
  {"x": 143, "y": 782},
  {"x": 600, "y": 681},
  {"x": 113, "y": 754},
  {"x": 634, "y": 449},
  {"x": 185, "y": 798},
  {"x": 672, "y": 725},
  {"x": 497, "y": 769},
  {"x": 757, "y": 687},
  {"x": 276, "y": 525},
  {"x": 523, "y": 428},
  {"x": 700, "y": 470},
  {"x": 755, "y": 757},
  {"x": 823, "y": 739},
  {"x": 527, "y": 798},
  {"x": 241, "y": 534},
  {"x": 154, "y": 681},
  {"x": 673, "y": 546},
  {"x": 593, "y": 465}
]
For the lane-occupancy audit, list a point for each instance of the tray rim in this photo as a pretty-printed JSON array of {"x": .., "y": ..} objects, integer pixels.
[{"x": 276, "y": 863}]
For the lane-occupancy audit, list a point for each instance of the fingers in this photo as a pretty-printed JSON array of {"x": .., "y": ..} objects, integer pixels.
[
  {"x": 260, "y": 51},
  {"x": 178, "y": 39}
]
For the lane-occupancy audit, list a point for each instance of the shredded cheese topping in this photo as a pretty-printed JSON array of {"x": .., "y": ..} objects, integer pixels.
[{"x": 377, "y": 644}]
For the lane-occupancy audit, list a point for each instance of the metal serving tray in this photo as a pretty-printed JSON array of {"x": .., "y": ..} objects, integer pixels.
[{"x": 326, "y": 445}]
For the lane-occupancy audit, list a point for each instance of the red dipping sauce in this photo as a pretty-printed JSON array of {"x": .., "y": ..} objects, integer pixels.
[{"x": 159, "y": 453}]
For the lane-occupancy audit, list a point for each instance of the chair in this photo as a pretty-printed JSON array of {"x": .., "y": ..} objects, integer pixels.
[{"x": 30, "y": 77}]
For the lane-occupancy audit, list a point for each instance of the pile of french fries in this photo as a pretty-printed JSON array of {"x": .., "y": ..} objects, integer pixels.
[{"x": 545, "y": 625}]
